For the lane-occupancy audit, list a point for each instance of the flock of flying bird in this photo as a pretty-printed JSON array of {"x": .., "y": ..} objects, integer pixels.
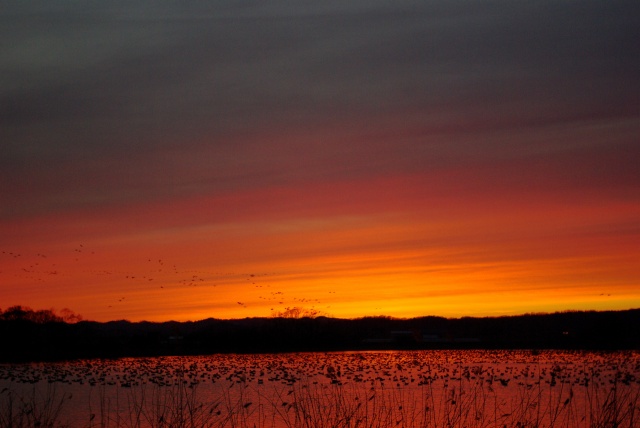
[{"x": 155, "y": 273}]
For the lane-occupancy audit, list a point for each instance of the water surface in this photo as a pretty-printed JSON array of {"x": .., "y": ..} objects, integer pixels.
[{"x": 369, "y": 389}]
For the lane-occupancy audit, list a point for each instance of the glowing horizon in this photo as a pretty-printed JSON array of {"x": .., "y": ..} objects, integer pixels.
[
  {"x": 381, "y": 263},
  {"x": 357, "y": 159}
]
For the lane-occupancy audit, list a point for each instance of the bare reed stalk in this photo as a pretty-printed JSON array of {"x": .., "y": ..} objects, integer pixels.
[
  {"x": 236, "y": 409},
  {"x": 471, "y": 400},
  {"x": 618, "y": 408},
  {"x": 104, "y": 410},
  {"x": 178, "y": 406},
  {"x": 32, "y": 410}
]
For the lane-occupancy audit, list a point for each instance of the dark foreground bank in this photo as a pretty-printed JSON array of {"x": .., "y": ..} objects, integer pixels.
[{"x": 27, "y": 340}]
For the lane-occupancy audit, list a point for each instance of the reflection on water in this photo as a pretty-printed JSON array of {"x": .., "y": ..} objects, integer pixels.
[{"x": 368, "y": 389}]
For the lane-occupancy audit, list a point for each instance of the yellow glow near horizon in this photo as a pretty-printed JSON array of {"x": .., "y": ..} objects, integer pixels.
[{"x": 392, "y": 263}]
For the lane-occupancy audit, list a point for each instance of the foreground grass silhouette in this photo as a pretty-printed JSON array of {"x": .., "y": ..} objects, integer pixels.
[{"x": 473, "y": 404}]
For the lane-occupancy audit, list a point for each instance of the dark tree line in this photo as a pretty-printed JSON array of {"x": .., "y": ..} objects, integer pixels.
[
  {"x": 42, "y": 335},
  {"x": 25, "y": 313}
]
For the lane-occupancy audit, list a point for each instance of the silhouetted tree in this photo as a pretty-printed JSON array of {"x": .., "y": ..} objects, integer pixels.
[
  {"x": 297, "y": 312},
  {"x": 69, "y": 316},
  {"x": 16, "y": 313},
  {"x": 42, "y": 316}
]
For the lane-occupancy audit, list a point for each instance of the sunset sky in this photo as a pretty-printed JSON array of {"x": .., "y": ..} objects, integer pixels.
[{"x": 229, "y": 159}]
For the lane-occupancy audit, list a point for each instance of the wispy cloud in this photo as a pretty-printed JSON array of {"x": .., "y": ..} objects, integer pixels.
[{"x": 495, "y": 128}]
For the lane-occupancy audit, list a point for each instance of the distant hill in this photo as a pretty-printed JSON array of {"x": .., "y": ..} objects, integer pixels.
[{"x": 53, "y": 339}]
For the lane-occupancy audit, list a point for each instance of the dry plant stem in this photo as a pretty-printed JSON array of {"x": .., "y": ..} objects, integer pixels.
[
  {"x": 470, "y": 399},
  {"x": 32, "y": 410}
]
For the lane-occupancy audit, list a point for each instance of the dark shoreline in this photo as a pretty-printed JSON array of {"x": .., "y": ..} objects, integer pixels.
[{"x": 28, "y": 341}]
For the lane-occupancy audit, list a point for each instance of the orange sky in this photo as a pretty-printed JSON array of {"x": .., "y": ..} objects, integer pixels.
[
  {"x": 388, "y": 246},
  {"x": 180, "y": 163}
]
